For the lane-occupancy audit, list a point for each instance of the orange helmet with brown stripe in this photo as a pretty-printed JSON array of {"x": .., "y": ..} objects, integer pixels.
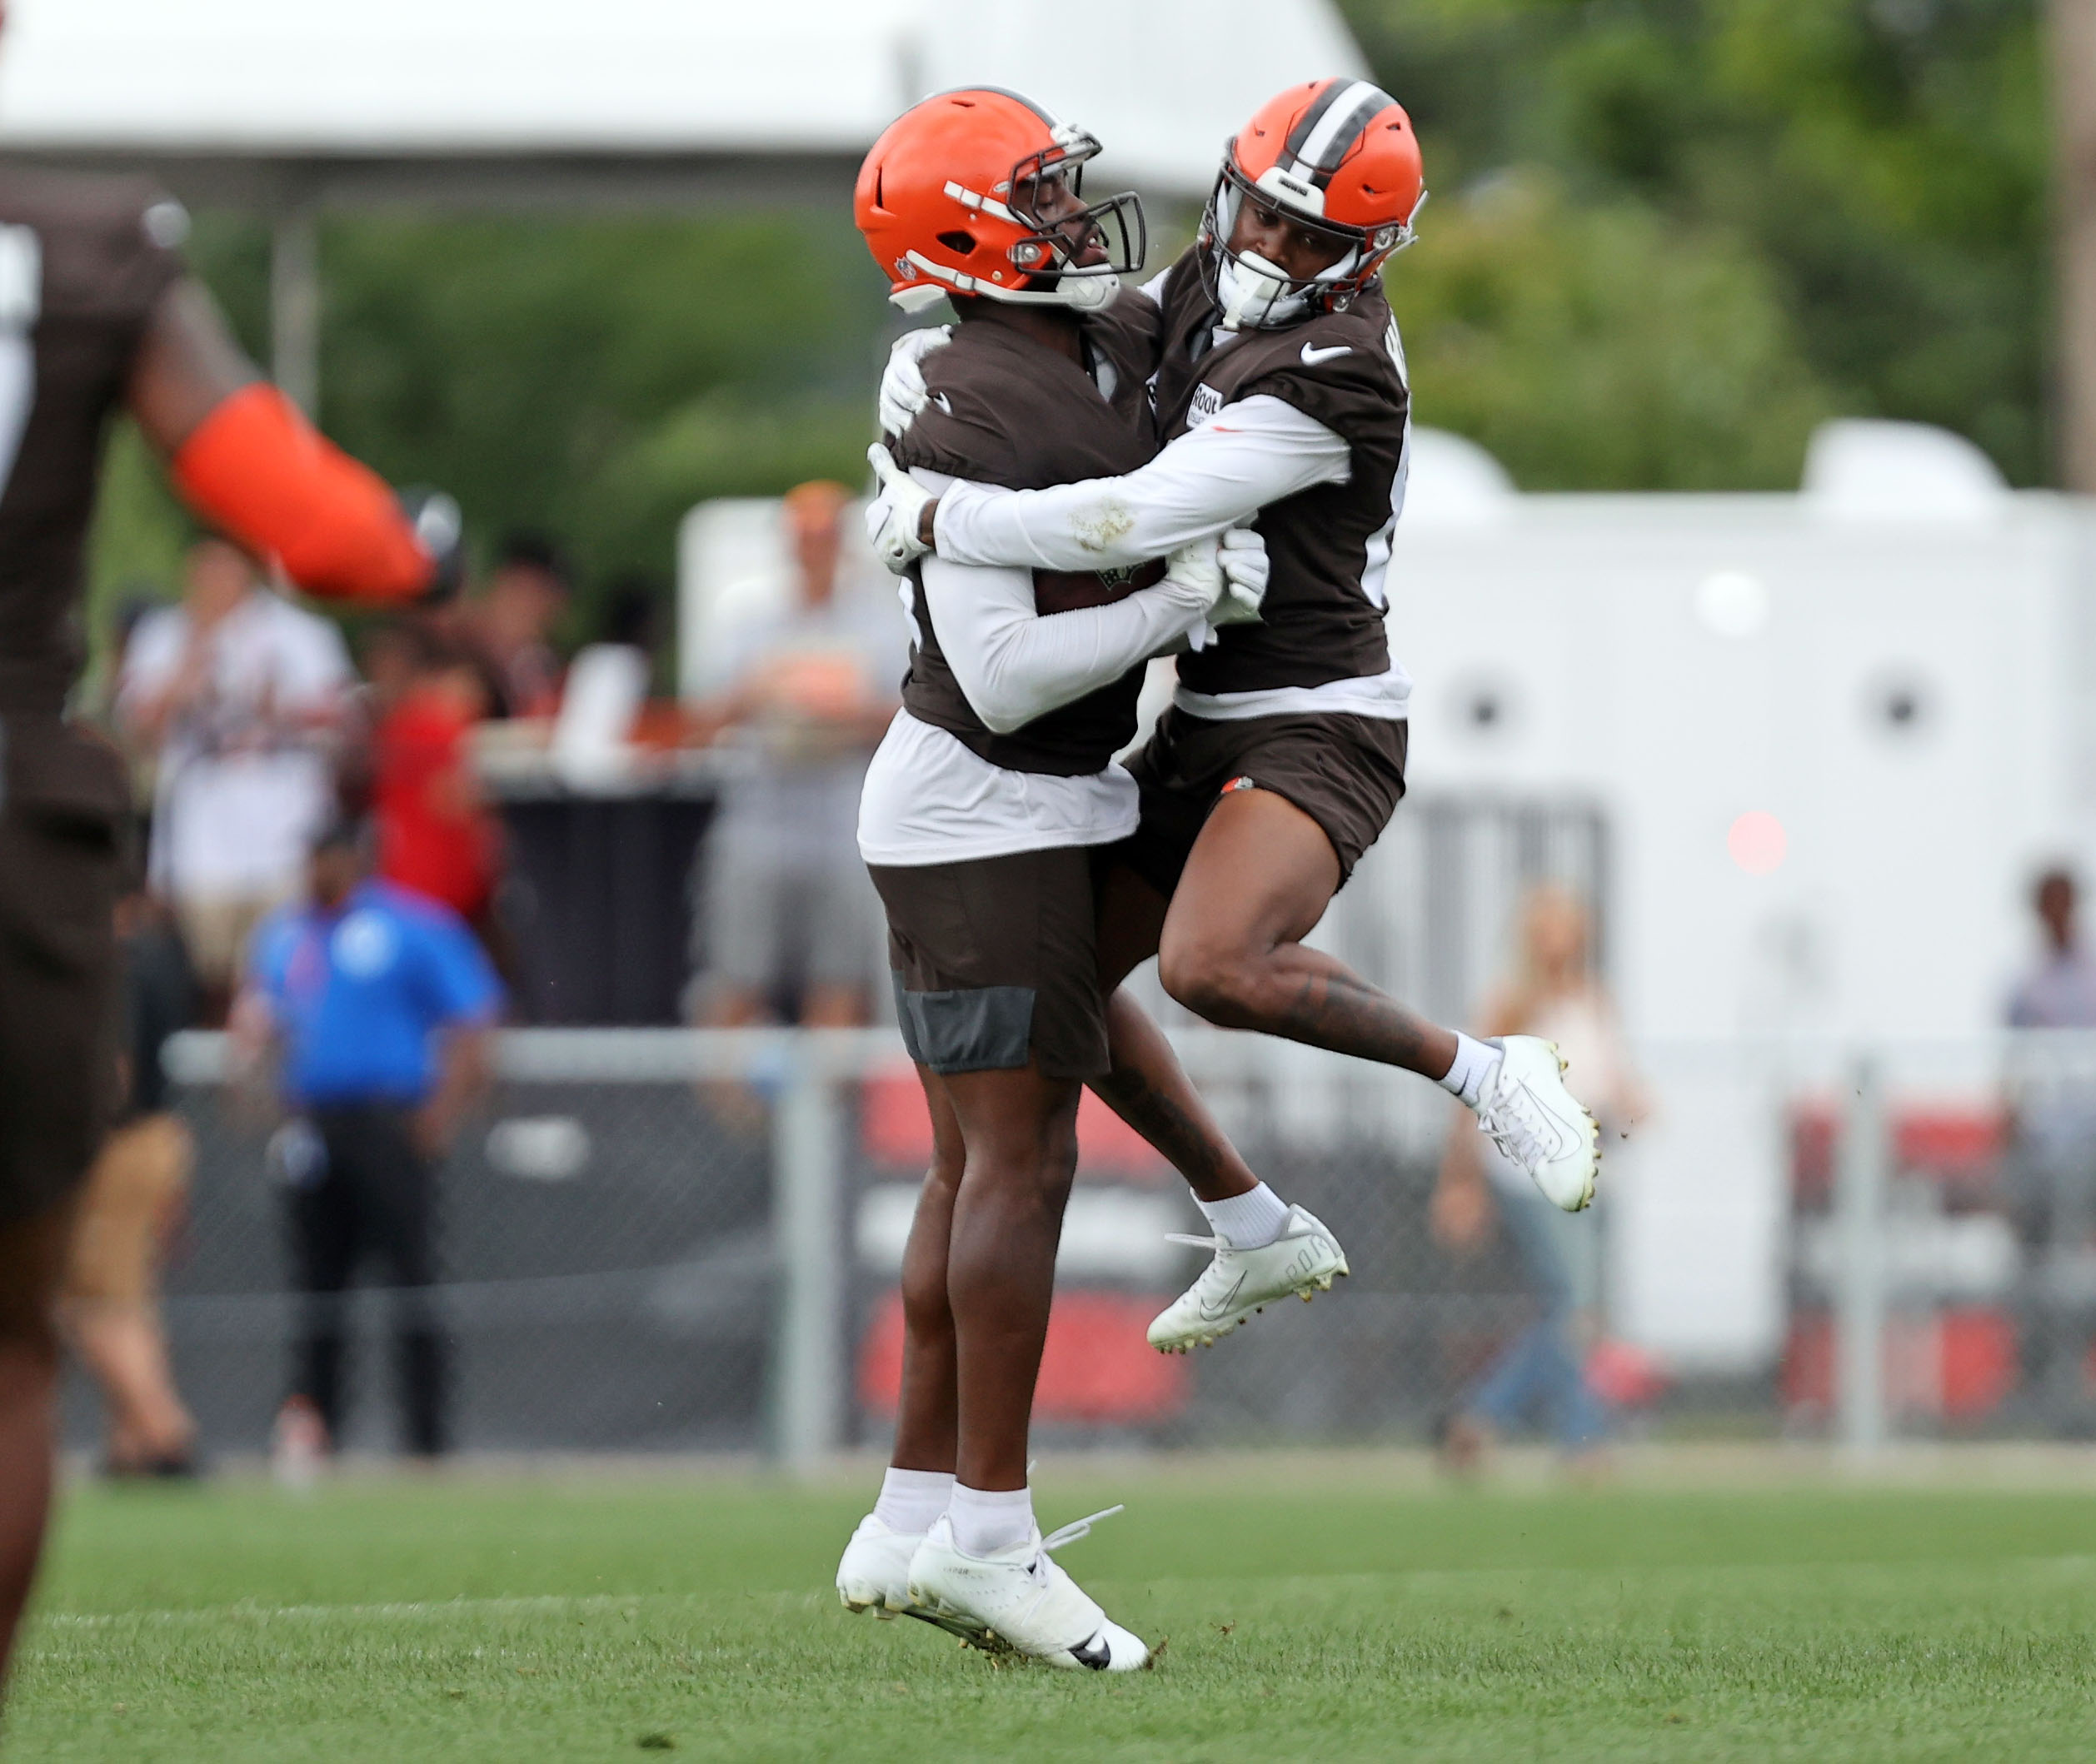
[
  {"x": 1338, "y": 158},
  {"x": 976, "y": 193}
]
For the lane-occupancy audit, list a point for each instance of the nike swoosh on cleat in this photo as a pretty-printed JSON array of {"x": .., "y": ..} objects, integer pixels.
[
  {"x": 1312, "y": 355},
  {"x": 1210, "y": 1313},
  {"x": 1094, "y": 1654}
]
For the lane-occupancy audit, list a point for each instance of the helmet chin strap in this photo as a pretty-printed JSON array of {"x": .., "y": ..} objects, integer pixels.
[
  {"x": 1075, "y": 293},
  {"x": 1087, "y": 293}
]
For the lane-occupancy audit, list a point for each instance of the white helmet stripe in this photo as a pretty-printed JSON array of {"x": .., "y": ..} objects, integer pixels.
[{"x": 1348, "y": 113}]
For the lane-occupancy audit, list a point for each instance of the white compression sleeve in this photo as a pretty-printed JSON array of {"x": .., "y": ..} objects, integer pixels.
[
  {"x": 1249, "y": 454},
  {"x": 1013, "y": 665}
]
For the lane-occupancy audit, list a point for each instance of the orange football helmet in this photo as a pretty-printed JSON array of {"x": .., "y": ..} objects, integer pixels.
[
  {"x": 976, "y": 193},
  {"x": 1337, "y": 157}
]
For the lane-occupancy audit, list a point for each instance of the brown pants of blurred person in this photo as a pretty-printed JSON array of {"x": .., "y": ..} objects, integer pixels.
[
  {"x": 110, "y": 1306},
  {"x": 216, "y": 931}
]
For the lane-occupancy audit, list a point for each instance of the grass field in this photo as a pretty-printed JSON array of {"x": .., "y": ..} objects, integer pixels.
[{"x": 1308, "y": 1617}]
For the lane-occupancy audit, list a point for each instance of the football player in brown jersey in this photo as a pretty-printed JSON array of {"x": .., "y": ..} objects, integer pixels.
[
  {"x": 1283, "y": 394},
  {"x": 982, "y": 814},
  {"x": 98, "y": 315}
]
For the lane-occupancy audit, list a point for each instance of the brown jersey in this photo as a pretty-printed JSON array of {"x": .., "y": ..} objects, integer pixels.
[
  {"x": 1006, "y": 410},
  {"x": 80, "y": 270},
  {"x": 1327, "y": 546},
  {"x": 83, "y": 261}
]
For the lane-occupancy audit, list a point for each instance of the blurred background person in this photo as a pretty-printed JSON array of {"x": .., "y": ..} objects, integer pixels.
[
  {"x": 2059, "y": 989},
  {"x": 376, "y": 1004},
  {"x": 1540, "y": 1376},
  {"x": 632, "y": 616},
  {"x": 788, "y": 920},
  {"x": 437, "y": 835},
  {"x": 389, "y": 655},
  {"x": 2051, "y": 1165},
  {"x": 132, "y": 1203},
  {"x": 507, "y": 627},
  {"x": 240, "y": 696},
  {"x": 135, "y": 603}
]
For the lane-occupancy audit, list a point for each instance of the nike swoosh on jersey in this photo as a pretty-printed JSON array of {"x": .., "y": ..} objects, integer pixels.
[{"x": 1312, "y": 355}]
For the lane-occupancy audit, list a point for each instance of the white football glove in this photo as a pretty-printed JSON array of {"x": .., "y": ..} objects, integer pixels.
[
  {"x": 895, "y": 512},
  {"x": 1241, "y": 552},
  {"x": 1196, "y": 565},
  {"x": 903, "y": 393},
  {"x": 1228, "y": 571}
]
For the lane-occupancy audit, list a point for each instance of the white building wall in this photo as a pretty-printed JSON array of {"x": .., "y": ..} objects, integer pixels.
[
  {"x": 1621, "y": 678},
  {"x": 1899, "y": 910}
]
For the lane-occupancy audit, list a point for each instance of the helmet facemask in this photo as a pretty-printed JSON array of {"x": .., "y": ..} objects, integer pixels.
[
  {"x": 1107, "y": 239},
  {"x": 1071, "y": 254}
]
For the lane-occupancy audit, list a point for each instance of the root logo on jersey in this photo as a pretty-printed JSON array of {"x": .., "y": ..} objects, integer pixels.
[{"x": 1206, "y": 402}]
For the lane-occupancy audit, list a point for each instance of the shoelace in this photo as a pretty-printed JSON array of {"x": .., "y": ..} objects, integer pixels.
[
  {"x": 1080, "y": 1528},
  {"x": 1514, "y": 1136}
]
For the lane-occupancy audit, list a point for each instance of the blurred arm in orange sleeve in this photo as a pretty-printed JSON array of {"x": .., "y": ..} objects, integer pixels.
[{"x": 245, "y": 459}]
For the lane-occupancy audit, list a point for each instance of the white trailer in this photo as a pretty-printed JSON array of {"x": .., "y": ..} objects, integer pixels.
[{"x": 1829, "y": 735}]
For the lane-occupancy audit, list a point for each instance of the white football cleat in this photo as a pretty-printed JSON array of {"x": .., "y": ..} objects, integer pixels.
[
  {"x": 1021, "y": 1599},
  {"x": 1540, "y": 1125},
  {"x": 875, "y": 1575},
  {"x": 1300, "y": 1262}
]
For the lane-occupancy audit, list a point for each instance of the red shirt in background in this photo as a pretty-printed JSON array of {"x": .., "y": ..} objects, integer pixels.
[{"x": 434, "y": 836}]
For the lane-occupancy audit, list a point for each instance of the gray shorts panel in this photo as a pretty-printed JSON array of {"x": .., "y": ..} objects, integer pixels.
[{"x": 984, "y": 1028}]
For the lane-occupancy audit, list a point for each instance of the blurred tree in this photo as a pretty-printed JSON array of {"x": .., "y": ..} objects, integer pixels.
[
  {"x": 591, "y": 379},
  {"x": 1884, "y": 161},
  {"x": 596, "y": 379},
  {"x": 1668, "y": 236},
  {"x": 1597, "y": 347}
]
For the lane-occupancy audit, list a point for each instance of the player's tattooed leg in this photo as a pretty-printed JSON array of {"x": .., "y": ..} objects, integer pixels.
[
  {"x": 1149, "y": 1090},
  {"x": 1259, "y": 880},
  {"x": 1333, "y": 1008}
]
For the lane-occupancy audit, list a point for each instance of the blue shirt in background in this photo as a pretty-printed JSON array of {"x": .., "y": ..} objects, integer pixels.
[{"x": 358, "y": 994}]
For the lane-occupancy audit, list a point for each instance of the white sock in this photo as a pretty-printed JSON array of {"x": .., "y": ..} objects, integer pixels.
[
  {"x": 911, "y": 1499},
  {"x": 987, "y": 1520},
  {"x": 1476, "y": 1065},
  {"x": 1250, "y": 1221}
]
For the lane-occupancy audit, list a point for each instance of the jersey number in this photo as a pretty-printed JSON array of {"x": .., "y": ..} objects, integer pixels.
[{"x": 21, "y": 303}]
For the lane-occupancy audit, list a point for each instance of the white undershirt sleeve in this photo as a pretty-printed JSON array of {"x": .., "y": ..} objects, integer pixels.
[
  {"x": 1014, "y": 665},
  {"x": 1256, "y": 451}
]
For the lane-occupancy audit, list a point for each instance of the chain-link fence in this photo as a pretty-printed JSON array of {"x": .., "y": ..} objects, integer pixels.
[
  {"x": 667, "y": 1239},
  {"x": 1942, "y": 1274},
  {"x": 660, "y": 1240}
]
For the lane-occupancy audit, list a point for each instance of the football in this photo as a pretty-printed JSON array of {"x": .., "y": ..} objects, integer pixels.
[{"x": 1066, "y": 590}]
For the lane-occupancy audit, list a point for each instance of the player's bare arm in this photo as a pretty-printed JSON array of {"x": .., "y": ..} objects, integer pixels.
[
  {"x": 187, "y": 365},
  {"x": 248, "y": 462}
]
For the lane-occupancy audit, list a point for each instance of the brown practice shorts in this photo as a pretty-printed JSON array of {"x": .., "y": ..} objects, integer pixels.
[
  {"x": 997, "y": 960},
  {"x": 57, "y": 975},
  {"x": 132, "y": 1191},
  {"x": 1347, "y": 773}
]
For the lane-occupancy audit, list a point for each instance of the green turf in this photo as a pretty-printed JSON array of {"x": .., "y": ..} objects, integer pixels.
[{"x": 575, "y": 1620}]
